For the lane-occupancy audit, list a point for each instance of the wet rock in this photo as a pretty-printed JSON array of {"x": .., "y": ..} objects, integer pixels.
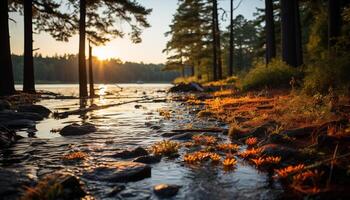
[
  {"x": 187, "y": 87},
  {"x": 166, "y": 190},
  {"x": 156, "y": 127},
  {"x": 138, "y": 106},
  {"x": 280, "y": 150},
  {"x": 6, "y": 139},
  {"x": 76, "y": 129},
  {"x": 183, "y": 136},
  {"x": 119, "y": 172},
  {"x": 170, "y": 134},
  {"x": 299, "y": 132},
  {"x": 62, "y": 186},
  {"x": 12, "y": 115},
  {"x": 126, "y": 154},
  {"x": 38, "y": 109},
  {"x": 12, "y": 183},
  {"x": 150, "y": 159},
  {"x": 116, "y": 190},
  {"x": 4, "y": 105},
  {"x": 263, "y": 129},
  {"x": 18, "y": 124}
]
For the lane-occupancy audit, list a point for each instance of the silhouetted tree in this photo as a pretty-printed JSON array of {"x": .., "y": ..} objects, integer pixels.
[
  {"x": 6, "y": 74},
  {"x": 270, "y": 31},
  {"x": 334, "y": 22},
  {"x": 290, "y": 43},
  {"x": 231, "y": 51}
]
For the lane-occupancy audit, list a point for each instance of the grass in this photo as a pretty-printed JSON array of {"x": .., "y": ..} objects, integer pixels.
[
  {"x": 75, "y": 156},
  {"x": 165, "y": 148}
]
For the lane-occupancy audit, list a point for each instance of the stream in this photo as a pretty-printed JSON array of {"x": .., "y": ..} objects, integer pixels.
[{"x": 127, "y": 126}]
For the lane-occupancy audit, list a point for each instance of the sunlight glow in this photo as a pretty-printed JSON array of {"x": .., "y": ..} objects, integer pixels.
[{"x": 104, "y": 53}]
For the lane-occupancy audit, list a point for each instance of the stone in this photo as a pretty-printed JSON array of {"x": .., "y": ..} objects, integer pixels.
[
  {"x": 183, "y": 136},
  {"x": 119, "y": 172},
  {"x": 166, "y": 190},
  {"x": 76, "y": 129},
  {"x": 150, "y": 159},
  {"x": 19, "y": 123},
  {"x": 187, "y": 87},
  {"x": 127, "y": 154},
  {"x": 116, "y": 190},
  {"x": 299, "y": 132},
  {"x": 38, "y": 109},
  {"x": 7, "y": 138},
  {"x": 12, "y": 115},
  {"x": 170, "y": 134}
]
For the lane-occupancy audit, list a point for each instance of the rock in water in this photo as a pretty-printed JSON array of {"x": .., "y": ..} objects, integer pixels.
[
  {"x": 165, "y": 190},
  {"x": 119, "y": 172},
  {"x": 187, "y": 87},
  {"x": 12, "y": 115},
  {"x": 7, "y": 138},
  {"x": 12, "y": 184},
  {"x": 126, "y": 154},
  {"x": 38, "y": 109},
  {"x": 151, "y": 159},
  {"x": 59, "y": 185},
  {"x": 76, "y": 129}
]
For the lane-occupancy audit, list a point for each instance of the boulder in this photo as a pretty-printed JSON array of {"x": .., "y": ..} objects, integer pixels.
[
  {"x": 187, "y": 87},
  {"x": 119, "y": 172},
  {"x": 76, "y": 129},
  {"x": 38, "y": 109},
  {"x": 150, "y": 159},
  {"x": 170, "y": 134},
  {"x": 61, "y": 185},
  {"x": 166, "y": 190},
  {"x": 126, "y": 154}
]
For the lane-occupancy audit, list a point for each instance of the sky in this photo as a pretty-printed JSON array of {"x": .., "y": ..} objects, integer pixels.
[{"x": 153, "y": 39}]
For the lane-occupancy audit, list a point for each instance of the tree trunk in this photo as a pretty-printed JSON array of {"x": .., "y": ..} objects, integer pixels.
[
  {"x": 288, "y": 18},
  {"x": 7, "y": 85},
  {"x": 270, "y": 31},
  {"x": 215, "y": 63},
  {"x": 218, "y": 41},
  {"x": 82, "y": 61},
  {"x": 334, "y": 23},
  {"x": 298, "y": 35},
  {"x": 192, "y": 70},
  {"x": 28, "y": 71},
  {"x": 230, "y": 67},
  {"x": 91, "y": 76}
]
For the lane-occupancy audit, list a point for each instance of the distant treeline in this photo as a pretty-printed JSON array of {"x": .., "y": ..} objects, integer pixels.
[{"x": 64, "y": 69}]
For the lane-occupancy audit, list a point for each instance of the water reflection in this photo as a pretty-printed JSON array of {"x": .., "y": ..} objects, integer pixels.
[{"x": 124, "y": 126}]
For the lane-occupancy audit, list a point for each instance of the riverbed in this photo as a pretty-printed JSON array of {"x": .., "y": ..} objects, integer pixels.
[{"x": 129, "y": 126}]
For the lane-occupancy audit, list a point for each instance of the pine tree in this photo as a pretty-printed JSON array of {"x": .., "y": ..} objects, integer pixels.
[
  {"x": 188, "y": 37},
  {"x": 270, "y": 31},
  {"x": 6, "y": 74}
]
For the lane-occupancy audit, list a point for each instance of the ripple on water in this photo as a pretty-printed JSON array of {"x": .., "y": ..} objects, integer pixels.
[{"x": 124, "y": 127}]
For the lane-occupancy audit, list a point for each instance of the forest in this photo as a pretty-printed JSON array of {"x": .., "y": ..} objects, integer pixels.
[
  {"x": 63, "y": 69},
  {"x": 258, "y": 106}
]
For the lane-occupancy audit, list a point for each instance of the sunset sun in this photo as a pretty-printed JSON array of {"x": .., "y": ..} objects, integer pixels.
[{"x": 103, "y": 53}]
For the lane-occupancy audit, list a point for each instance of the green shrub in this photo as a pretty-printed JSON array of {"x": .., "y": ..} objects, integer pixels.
[
  {"x": 276, "y": 75},
  {"x": 328, "y": 73}
]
